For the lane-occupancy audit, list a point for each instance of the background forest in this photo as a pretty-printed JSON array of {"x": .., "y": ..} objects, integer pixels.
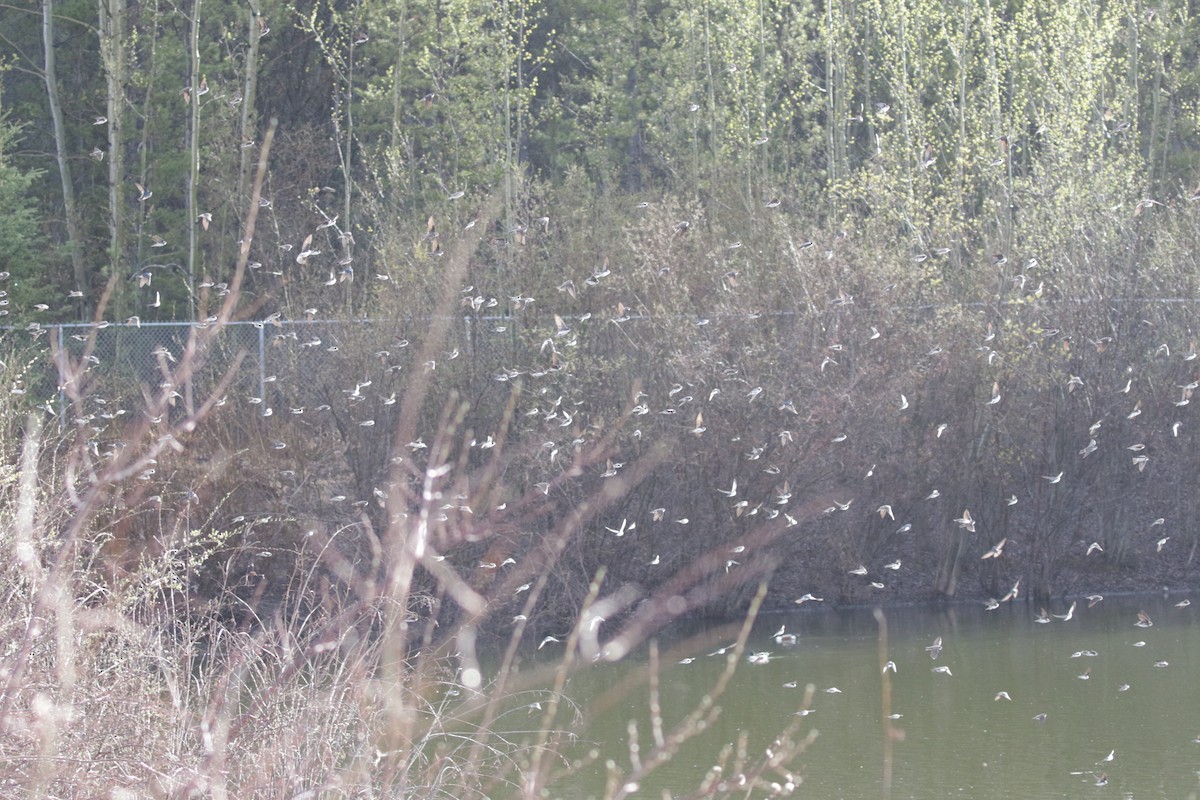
[{"x": 636, "y": 304}]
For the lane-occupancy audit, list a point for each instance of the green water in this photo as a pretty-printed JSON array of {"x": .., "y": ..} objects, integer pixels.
[{"x": 958, "y": 741}]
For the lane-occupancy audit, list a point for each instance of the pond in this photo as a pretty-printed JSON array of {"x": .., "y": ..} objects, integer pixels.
[{"x": 1121, "y": 703}]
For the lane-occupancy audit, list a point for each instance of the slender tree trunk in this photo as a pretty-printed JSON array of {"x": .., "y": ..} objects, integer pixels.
[
  {"x": 74, "y": 225},
  {"x": 112, "y": 58},
  {"x": 195, "y": 81},
  {"x": 764, "y": 179},
  {"x": 714, "y": 138},
  {"x": 149, "y": 69},
  {"x": 348, "y": 154},
  {"x": 509, "y": 156},
  {"x": 249, "y": 95},
  {"x": 343, "y": 132},
  {"x": 508, "y": 125},
  {"x": 398, "y": 144},
  {"x": 835, "y": 128},
  {"x": 634, "y": 152}
]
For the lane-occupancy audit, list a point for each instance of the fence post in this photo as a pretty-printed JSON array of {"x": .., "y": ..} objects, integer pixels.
[
  {"x": 468, "y": 350},
  {"x": 262, "y": 365},
  {"x": 62, "y": 395}
]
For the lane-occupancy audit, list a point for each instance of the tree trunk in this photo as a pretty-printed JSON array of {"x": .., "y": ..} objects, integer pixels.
[
  {"x": 634, "y": 150},
  {"x": 111, "y": 31},
  {"x": 74, "y": 225},
  {"x": 194, "y": 80},
  {"x": 249, "y": 91}
]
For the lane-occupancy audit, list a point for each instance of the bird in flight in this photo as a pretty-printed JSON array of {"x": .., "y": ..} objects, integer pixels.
[
  {"x": 1067, "y": 616},
  {"x": 935, "y": 649},
  {"x": 996, "y": 551},
  {"x": 1013, "y": 592}
]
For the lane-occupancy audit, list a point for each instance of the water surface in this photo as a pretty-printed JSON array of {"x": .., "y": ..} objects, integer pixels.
[{"x": 1137, "y": 698}]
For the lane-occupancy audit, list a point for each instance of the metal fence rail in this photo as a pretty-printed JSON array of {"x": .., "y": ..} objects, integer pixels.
[
  {"x": 285, "y": 358},
  {"x": 285, "y": 362},
  {"x": 127, "y": 356}
]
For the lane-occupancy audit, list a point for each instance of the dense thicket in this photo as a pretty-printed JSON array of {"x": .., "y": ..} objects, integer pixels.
[{"x": 781, "y": 243}]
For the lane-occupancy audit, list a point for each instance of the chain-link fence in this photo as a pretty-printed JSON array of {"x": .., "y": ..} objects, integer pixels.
[
  {"x": 123, "y": 359},
  {"x": 285, "y": 361},
  {"x": 281, "y": 363}
]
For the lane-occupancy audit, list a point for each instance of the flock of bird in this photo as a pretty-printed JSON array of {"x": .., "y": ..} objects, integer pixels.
[
  {"x": 785, "y": 639},
  {"x": 762, "y": 488},
  {"x": 772, "y": 503}
]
